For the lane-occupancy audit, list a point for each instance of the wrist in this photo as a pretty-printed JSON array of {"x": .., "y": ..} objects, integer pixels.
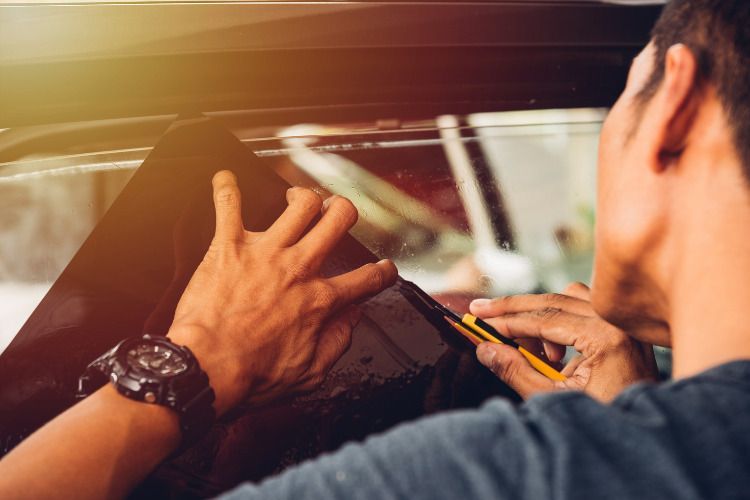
[
  {"x": 223, "y": 377},
  {"x": 160, "y": 424}
]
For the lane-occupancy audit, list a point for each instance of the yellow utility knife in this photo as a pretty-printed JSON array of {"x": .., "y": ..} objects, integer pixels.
[
  {"x": 491, "y": 335},
  {"x": 469, "y": 326}
]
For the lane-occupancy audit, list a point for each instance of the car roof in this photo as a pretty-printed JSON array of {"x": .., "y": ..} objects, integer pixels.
[{"x": 64, "y": 62}]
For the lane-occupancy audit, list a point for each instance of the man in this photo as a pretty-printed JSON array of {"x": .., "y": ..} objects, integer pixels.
[{"x": 672, "y": 267}]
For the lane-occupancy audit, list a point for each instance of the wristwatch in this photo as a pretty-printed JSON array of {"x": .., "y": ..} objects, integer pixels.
[{"x": 153, "y": 370}]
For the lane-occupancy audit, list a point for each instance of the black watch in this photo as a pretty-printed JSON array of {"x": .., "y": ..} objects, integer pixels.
[{"x": 153, "y": 370}]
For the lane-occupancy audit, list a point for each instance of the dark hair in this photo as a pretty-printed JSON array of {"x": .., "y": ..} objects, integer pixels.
[{"x": 718, "y": 34}]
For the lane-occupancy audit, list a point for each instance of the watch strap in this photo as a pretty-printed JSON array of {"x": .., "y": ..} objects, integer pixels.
[
  {"x": 195, "y": 409},
  {"x": 189, "y": 394}
]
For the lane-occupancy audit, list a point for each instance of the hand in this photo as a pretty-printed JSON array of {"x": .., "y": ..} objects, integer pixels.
[
  {"x": 257, "y": 314},
  {"x": 608, "y": 361}
]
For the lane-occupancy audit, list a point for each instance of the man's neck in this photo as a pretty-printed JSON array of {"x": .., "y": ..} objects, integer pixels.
[{"x": 710, "y": 296}]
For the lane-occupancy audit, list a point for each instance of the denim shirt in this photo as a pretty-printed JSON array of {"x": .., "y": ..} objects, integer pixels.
[{"x": 688, "y": 439}]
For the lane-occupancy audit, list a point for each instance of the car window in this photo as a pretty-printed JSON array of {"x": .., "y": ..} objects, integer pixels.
[
  {"x": 487, "y": 204},
  {"x": 481, "y": 205},
  {"x": 467, "y": 206}
]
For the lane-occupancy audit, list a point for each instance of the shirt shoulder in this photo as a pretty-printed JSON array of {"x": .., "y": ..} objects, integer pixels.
[{"x": 679, "y": 439}]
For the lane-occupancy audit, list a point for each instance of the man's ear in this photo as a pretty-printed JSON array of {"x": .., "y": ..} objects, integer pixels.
[{"x": 675, "y": 107}]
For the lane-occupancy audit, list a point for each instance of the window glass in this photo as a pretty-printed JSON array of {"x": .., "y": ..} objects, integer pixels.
[
  {"x": 47, "y": 209},
  {"x": 486, "y": 204},
  {"x": 489, "y": 204}
]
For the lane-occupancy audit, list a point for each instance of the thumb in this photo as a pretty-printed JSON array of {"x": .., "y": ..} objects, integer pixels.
[{"x": 509, "y": 365}]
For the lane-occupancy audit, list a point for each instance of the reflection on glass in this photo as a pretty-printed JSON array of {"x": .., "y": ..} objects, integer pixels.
[
  {"x": 492, "y": 204},
  {"x": 487, "y": 204},
  {"x": 48, "y": 207}
]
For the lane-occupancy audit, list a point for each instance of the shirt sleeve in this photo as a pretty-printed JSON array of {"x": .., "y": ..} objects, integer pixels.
[
  {"x": 681, "y": 440},
  {"x": 488, "y": 453}
]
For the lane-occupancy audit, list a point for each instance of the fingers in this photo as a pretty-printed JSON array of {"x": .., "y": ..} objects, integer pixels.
[
  {"x": 339, "y": 215},
  {"x": 551, "y": 325},
  {"x": 304, "y": 206},
  {"x": 364, "y": 282},
  {"x": 511, "y": 367},
  {"x": 485, "y": 308},
  {"x": 572, "y": 366},
  {"x": 554, "y": 352},
  {"x": 228, "y": 204},
  {"x": 578, "y": 290},
  {"x": 335, "y": 340}
]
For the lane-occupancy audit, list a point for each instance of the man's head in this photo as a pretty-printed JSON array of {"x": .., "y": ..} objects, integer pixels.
[{"x": 674, "y": 156}]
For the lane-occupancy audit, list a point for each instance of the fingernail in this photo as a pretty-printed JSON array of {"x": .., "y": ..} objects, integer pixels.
[
  {"x": 547, "y": 350},
  {"x": 480, "y": 303},
  {"x": 327, "y": 202},
  {"x": 486, "y": 354}
]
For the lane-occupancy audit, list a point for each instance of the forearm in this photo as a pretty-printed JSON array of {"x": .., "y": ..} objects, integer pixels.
[
  {"x": 100, "y": 448},
  {"x": 241, "y": 295}
]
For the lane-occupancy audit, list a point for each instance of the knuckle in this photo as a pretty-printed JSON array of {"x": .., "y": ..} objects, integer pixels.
[
  {"x": 326, "y": 296},
  {"x": 227, "y": 196},
  {"x": 548, "y": 314},
  {"x": 310, "y": 323},
  {"x": 501, "y": 305},
  {"x": 224, "y": 253},
  {"x": 554, "y": 298},
  {"x": 375, "y": 277},
  {"x": 298, "y": 270},
  {"x": 507, "y": 370},
  {"x": 504, "y": 301}
]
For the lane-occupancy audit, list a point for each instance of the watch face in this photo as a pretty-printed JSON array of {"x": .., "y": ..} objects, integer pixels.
[{"x": 158, "y": 359}]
